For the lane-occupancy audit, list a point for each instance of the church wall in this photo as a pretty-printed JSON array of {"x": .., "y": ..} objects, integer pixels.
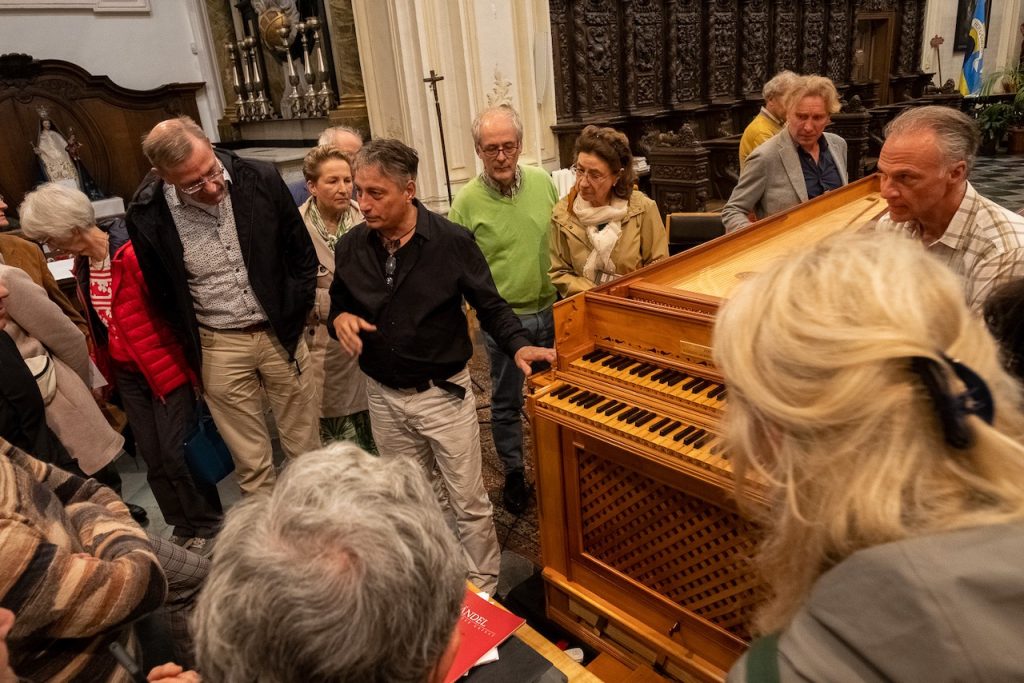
[
  {"x": 1004, "y": 37},
  {"x": 136, "y": 50}
]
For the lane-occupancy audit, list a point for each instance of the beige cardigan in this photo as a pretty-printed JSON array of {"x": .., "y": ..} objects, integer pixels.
[{"x": 37, "y": 325}]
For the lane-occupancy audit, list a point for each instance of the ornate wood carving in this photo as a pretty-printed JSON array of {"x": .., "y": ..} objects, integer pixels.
[
  {"x": 785, "y": 37},
  {"x": 755, "y": 46},
  {"x": 645, "y": 65},
  {"x": 655, "y": 64},
  {"x": 597, "y": 51},
  {"x": 722, "y": 54},
  {"x": 813, "y": 30},
  {"x": 908, "y": 52},
  {"x": 840, "y": 29},
  {"x": 687, "y": 45},
  {"x": 562, "y": 47}
]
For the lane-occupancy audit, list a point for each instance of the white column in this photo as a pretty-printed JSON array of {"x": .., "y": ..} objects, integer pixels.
[{"x": 488, "y": 51}]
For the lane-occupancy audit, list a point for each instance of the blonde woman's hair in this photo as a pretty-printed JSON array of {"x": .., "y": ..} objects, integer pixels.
[
  {"x": 55, "y": 211},
  {"x": 813, "y": 86},
  {"x": 317, "y": 156},
  {"x": 824, "y": 405}
]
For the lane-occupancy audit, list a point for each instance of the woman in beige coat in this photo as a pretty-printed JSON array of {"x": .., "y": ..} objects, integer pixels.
[
  {"x": 604, "y": 228},
  {"x": 39, "y": 328},
  {"x": 339, "y": 383}
]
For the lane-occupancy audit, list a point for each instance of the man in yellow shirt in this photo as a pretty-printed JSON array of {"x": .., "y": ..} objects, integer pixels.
[{"x": 769, "y": 121}]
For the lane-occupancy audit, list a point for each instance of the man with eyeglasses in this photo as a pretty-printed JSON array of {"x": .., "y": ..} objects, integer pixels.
[
  {"x": 507, "y": 208},
  {"x": 396, "y": 301},
  {"x": 230, "y": 264}
]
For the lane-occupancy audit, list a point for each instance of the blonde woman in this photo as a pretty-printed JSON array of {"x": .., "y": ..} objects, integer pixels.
[
  {"x": 328, "y": 213},
  {"x": 872, "y": 401}
]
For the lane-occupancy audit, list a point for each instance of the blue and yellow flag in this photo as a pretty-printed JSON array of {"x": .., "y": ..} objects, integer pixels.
[{"x": 970, "y": 77}]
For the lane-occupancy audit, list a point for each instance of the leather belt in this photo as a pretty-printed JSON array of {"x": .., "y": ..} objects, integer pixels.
[
  {"x": 452, "y": 388},
  {"x": 248, "y": 329}
]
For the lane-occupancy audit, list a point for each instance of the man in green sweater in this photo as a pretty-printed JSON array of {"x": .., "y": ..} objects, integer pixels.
[{"x": 508, "y": 210}]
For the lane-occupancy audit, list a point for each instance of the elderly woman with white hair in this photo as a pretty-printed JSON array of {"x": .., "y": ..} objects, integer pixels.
[
  {"x": 873, "y": 404},
  {"x": 136, "y": 349}
]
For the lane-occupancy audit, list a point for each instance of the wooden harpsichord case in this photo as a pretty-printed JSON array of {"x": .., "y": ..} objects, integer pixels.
[{"x": 646, "y": 555}]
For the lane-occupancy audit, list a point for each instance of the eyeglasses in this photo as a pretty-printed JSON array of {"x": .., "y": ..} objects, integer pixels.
[
  {"x": 201, "y": 183},
  {"x": 389, "y": 272},
  {"x": 492, "y": 151},
  {"x": 591, "y": 175}
]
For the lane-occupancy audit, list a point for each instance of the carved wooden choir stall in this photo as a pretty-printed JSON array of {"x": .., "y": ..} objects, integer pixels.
[{"x": 646, "y": 555}]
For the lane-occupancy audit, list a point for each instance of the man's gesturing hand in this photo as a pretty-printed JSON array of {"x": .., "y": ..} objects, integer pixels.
[
  {"x": 532, "y": 354},
  {"x": 348, "y": 327}
]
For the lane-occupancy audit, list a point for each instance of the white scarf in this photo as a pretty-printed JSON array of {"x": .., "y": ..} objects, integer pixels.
[{"x": 599, "y": 267}]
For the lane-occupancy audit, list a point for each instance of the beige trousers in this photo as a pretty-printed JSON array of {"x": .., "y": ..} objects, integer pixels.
[
  {"x": 434, "y": 426},
  {"x": 239, "y": 368}
]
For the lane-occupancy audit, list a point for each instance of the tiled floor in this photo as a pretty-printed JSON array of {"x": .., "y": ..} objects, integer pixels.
[{"x": 1001, "y": 179}]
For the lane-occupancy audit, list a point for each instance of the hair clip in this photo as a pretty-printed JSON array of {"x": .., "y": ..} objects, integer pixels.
[{"x": 953, "y": 410}]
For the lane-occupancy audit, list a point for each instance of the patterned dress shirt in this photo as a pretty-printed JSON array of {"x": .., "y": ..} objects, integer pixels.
[
  {"x": 983, "y": 244},
  {"x": 217, "y": 277}
]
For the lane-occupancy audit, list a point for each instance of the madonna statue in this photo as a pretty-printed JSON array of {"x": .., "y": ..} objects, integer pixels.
[{"x": 59, "y": 157}]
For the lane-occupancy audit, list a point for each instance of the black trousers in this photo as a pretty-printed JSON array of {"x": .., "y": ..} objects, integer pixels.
[{"x": 190, "y": 507}]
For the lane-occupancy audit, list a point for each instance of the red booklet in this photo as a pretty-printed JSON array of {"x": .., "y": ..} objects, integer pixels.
[{"x": 482, "y": 626}]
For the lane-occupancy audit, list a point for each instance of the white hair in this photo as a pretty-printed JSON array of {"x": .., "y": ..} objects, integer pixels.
[
  {"x": 55, "y": 211},
  {"x": 346, "y": 571}
]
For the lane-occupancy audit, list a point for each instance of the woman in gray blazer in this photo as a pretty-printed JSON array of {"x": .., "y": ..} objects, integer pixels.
[{"x": 799, "y": 163}]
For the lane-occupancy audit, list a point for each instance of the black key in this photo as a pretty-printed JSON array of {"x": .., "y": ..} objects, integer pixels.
[
  {"x": 716, "y": 449},
  {"x": 606, "y": 406},
  {"x": 676, "y": 378},
  {"x": 648, "y": 370},
  {"x": 716, "y": 391},
  {"x": 703, "y": 441},
  {"x": 665, "y": 431},
  {"x": 635, "y": 419},
  {"x": 645, "y": 419},
  {"x": 596, "y": 354},
  {"x": 692, "y": 438},
  {"x": 637, "y": 369},
  {"x": 721, "y": 396},
  {"x": 628, "y": 414},
  {"x": 625, "y": 364},
  {"x": 566, "y": 391},
  {"x": 700, "y": 386},
  {"x": 656, "y": 377},
  {"x": 590, "y": 403},
  {"x": 689, "y": 385},
  {"x": 658, "y": 425},
  {"x": 682, "y": 434},
  {"x": 614, "y": 409},
  {"x": 612, "y": 358},
  {"x": 578, "y": 399}
]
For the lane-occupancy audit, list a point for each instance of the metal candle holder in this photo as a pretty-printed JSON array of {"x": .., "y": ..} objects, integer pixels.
[
  {"x": 324, "y": 98},
  {"x": 236, "y": 82}
]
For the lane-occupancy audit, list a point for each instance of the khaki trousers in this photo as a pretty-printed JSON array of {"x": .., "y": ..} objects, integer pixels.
[
  {"x": 435, "y": 427},
  {"x": 239, "y": 368}
]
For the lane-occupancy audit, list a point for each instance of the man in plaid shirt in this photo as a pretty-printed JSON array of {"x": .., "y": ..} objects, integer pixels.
[{"x": 924, "y": 166}]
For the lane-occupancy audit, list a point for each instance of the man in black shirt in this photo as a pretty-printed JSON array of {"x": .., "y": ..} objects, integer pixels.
[{"x": 396, "y": 301}]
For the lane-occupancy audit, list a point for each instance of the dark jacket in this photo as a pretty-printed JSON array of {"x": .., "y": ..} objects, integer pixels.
[{"x": 275, "y": 246}]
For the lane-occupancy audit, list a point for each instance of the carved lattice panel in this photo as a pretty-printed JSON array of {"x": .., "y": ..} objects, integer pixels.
[
  {"x": 677, "y": 545},
  {"x": 645, "y": 72}
]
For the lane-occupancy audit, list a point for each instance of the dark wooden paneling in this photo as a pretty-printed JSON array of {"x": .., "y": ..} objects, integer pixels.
[{"x": 109, "y": 121}]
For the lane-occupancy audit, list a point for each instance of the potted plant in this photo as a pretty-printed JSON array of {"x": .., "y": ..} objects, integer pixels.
[
  {"x": 994, "y": 120},
  {"x": 1015, "y": 132}
]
